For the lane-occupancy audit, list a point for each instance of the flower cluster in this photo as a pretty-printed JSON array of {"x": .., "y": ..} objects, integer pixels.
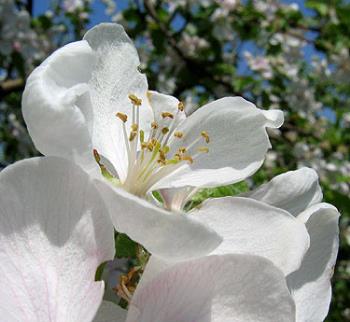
[{"x": 118, "y": 157}]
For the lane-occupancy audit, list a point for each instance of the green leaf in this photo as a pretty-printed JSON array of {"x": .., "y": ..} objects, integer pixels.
[
  {"x": 125, "y": 247},
  {"x": 224, "y": 191}
]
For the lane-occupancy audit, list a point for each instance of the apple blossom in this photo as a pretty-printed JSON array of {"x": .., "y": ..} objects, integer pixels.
[{"x": 89, "y": 96}]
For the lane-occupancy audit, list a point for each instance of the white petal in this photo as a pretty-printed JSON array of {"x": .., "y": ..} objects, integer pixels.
[
  {"x": 165, "y": 103},
  {"x": 53, "y": 235},
  {"x": 110, "y": 312},
  {"x": 166, "y": 234},
  {"x": 310, "y": 285},
  {"x": 70, "y": 100},
  {"x": 114, "y": 77},
  {"x": 215, "y": 289},
  {"x": 252, "y": 227},
  {"x": 293, "y": 191},
  {"x": 238, "y": 143},
  {"x": 56, "y": 104}
]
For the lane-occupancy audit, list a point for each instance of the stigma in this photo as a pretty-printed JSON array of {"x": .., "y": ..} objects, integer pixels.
[{"x": 152, "y": 158}]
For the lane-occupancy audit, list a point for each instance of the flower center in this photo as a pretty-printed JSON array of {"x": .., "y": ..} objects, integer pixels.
[{"x": 151, "y": 159}]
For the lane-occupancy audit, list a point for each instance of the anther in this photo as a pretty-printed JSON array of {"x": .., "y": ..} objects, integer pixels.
[
  {"x": 165, "y": 130},
  {"x": 122, "y": 116},
  {"x": 142, "y": 136},
  {"x": 203, "y": 149},
  {"x": 154, "y": 125},
  {"x": 181, "y": 106},
  {"x": 167, "y": 115},
  {"x": 178, "y": 135},
  {"x": 205, "y": 135},
  {"x": 134, "y": 127},
  {"x": 135, "y": 100},
  {"x": 182, "y": 150},
  {"x": 132, "y": 135},
  {"x": 187, "y": 158}
]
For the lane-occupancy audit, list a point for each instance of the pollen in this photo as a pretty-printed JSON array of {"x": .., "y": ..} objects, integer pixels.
[
  {"x": 181, "y": 106},
  {"x": 167, "y": 115},
  {"x": 165, "y": 130},
  {"x": 135, "y": 100},
  {"x": 132, "y": 135},
  {"x": 178, "y": 134},
  {"x": 122, "y": 116},
  {"x": 203, "y": 149},
  {"x": 154, "y": 125},
  {"x": 205, "y": 135},
  {"x": 187, "y": 158}
]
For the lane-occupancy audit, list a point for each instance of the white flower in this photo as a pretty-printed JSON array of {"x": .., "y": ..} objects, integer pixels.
[
  {"x": 287, "y": 224},
  {"x": 70, "y": 105}
]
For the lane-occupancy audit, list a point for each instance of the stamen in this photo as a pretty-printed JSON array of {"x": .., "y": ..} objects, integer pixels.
[
  {"x": 205, "y": 135},
  {"x": 134, "y": 127},
  {"x": 181, "y": 106},
  {"x": 97, "y": 157},
  {"x": 178, "y": 134},
  {"x": 203, "y": 149},
  {"x": 122, "y": 116},
  {"x": 182, "y": 150},
  {"x": 135, "y": 100},
  {"x": 187, "y": 158},
  {"x": 132, "y": 135},
  {"x": 165, "y": 130},
  {"x": 167, "y": 115},
  {"x": 142, "y": 136},
  {"x": 103, "y": 168},
  {"x": 154, "y": 125}
]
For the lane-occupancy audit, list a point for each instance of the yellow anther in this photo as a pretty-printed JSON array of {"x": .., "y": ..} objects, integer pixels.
[
  {"x": 178, "y": 135},
  {"x": 203, "y": 149},
  {"x": 154, "y": 141},
  {"x": 154, "y": 125},
  {"x": 134, "y": 127},
  {"x": 142, "y": 136},
  {"x": 162, "y": 155},
  {"x": 150, "y": 146},
  {"x": 181, "y": 106},
  {"x": 144, "y": 145},
  {"x": 165, "y": 130},
  {"x": 167, "y": 115},
  {"x": 182, "y": 150},
  {"x": 177, "y": 156},
  {"x": 122, "y": 116},
  {"x": 187, "y": 158},
  {"x": 206, "y": 136},
  {"x": 135, "y": 100},
  {"x": 162, "y": 162},
  {"x": 132, "y": 135}
]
